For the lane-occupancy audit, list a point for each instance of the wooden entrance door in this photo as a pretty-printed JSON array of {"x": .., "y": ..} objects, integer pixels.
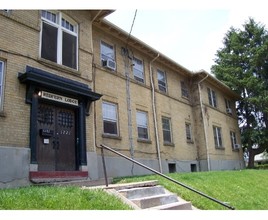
[{"x": 56, "y": 138}]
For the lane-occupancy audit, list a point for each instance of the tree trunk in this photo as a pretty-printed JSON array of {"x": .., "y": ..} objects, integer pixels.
[{"x": 251, "y": 157}]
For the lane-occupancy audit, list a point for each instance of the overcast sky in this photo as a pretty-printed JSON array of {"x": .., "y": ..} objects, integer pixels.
[{"x": 189, "y": 36}]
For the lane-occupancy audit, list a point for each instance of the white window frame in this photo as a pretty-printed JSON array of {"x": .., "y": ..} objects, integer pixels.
[
  {"x": 162, "y": 82},
  {"x": 167, "y": 130},
  {"x": 233, "y": 139},
  {"x": 217, "y": 133},
  {"x": 212, "y": 97},
  {"x": 72, "y": 29},
  {"x": 110, "y": 119},
  {"x": 188, "y": 131},
  {"x": 2, "y": 77},
  {"x": 138, "y": 70},
  {"x": 142, "y": 125},
  {"x": 184, "y": 90},
  {"x": 229, "y": 109},
  {"x": 104, "y": 56}
]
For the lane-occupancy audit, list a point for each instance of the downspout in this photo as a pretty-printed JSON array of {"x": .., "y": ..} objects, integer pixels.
[
  {"x": 129, "y": 111},
  {"x": 203, "y": 118},
  {"x": 94, "y": 85},
  {"x": 154, "y": 114}
]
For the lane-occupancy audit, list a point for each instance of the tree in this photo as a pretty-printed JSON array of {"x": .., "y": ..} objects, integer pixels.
[{"x": 242, "y": 64}]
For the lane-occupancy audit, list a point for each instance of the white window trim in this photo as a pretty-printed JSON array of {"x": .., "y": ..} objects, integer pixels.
[
  {"x": 218, "y": 132},
  {"x": 165, "y": 80},
  {"x": 213, "y": 102},
  {"x": 142, "y": 80},
  {"x": 233, "y": 139},
  {"x": 116, "y": 120},
  {"x": 141, "y": 126},
  {"x": 170, "y": 130},
  {"x": 60, "y": 28},
  {"x": 184, "y": 89},
  {"x": 190, "y": 131},
  {"x": 102, "y": 42}
]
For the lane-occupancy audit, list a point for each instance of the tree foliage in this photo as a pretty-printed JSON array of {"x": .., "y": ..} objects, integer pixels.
[{"x": 242, "y": 64}]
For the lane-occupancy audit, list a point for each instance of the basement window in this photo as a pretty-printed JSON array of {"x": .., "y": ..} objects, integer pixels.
[{"x": 172, "y": 168}]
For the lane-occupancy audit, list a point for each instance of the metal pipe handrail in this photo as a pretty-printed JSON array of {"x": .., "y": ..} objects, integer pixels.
[{"x": 154, "y": 171}]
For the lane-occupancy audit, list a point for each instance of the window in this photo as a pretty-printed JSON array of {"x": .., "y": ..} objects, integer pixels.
[
  {"x": 1, "y": 84},
  {"x": 107, "y": 51},
  {"x": 228, "y": 106},
  {"x": 184, "y": 90},
  {"x": 162, "y": 85},
  {"x": 212, "y": 98},
  {"x": 59, "y": 39},
  {"x": 109, "y": 114},
  {"x": 166, "y": 125},
  {"x": 108, "y": 56},
  {"x": 233, "y": 140},
  {"x": 142, "y": 125},
  {"x": 217, "y": 137},
  {"x": 138, "y": 70},
  {"x": 188, "y": 132}
]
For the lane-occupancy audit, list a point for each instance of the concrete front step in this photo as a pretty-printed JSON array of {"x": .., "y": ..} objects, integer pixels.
[
  {"x": 140, "y": 192},
  {"x": 156, "y": 200},
  {"x": 180, "y": 205}
]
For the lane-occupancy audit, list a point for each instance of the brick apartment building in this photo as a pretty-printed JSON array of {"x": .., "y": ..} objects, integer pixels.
[{"x": 70, "y": 81}]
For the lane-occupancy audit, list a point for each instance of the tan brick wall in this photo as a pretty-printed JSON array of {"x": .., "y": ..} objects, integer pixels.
[
  {"x": 172, "y": 105},
  {"x": 20, "y": 46}
]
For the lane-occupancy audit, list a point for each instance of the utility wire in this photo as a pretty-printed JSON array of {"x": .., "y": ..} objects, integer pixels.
[{"x": 133, "y": 21}]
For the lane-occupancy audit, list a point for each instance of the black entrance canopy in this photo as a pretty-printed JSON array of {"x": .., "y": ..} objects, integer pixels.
[{"x": 40, "y": 79}]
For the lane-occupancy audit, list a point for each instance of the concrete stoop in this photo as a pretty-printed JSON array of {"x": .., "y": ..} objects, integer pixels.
[{"x": 149, "y": 196}]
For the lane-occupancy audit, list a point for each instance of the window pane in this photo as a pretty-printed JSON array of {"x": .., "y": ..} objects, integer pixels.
[
  {"x": 109, "y": 127},
  {"x": 166, "y": 130},
  {"x": 69, "y": 50},
  {"x": 109, "y": 118},
  {"x": 214, "y": 99},
  {"x": 109, "y": 111},
  {"x": 49, "y": 16},
  {"x": 1, "y": 82},
  {"x": 184, "y": 90},
  {"x": 188, "y": 132},
  {"x": 217, "y": 136},
  {"x": 138, "y": 70},
  {"x": 209, "y": 97},
  {"x": 1, "y": 73},
  {"x": 49, "y": 42},
  {"x": 141, "y": 118},
  {"x": 161, "y": 81},
  {"x": 142, "y": 133},
  {"x": 167, "y": 136},
  {"x": 107, "y": 51}
]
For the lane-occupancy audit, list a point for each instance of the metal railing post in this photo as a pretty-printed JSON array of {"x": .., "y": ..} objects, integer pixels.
[
  {"x": 154, "y": 171},
  {"x": 104, "y": 167}
]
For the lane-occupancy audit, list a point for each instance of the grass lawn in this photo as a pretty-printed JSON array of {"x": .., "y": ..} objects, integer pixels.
[
  {"x": 243, "y": 190},
  {"x": 58, "y": 198}
]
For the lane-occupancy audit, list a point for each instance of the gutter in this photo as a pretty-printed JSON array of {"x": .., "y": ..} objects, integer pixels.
[{"x": 154, "y": 114}]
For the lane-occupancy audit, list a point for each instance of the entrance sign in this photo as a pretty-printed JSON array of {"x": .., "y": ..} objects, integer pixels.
[{"x": 58, "y": 98}]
